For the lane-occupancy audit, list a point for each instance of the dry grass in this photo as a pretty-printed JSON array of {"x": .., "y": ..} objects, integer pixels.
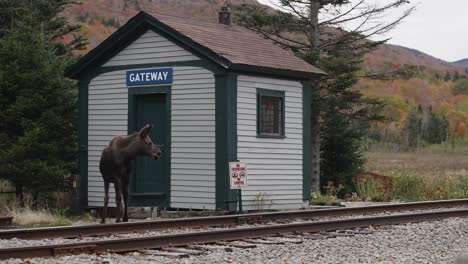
[
  {"x": 423, "y": 175},
  {"x": 25, "y": 216},
  {"x": 424, "y": 163}
]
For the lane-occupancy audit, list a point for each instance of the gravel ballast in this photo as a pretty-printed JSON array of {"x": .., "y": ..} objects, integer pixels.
[{"x": 429, "y": 242}]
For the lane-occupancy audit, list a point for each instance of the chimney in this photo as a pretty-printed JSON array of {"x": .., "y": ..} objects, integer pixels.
[{"x": 225, "y": 15}]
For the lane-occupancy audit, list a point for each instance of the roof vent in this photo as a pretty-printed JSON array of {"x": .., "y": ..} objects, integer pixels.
[{"x": 225, "y": 14}]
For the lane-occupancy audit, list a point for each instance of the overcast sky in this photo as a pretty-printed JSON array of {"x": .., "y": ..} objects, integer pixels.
[{"x": 437, "y": 27}]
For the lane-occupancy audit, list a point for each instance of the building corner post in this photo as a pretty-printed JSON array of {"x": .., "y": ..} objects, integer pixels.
[
  {"x": 83, "y": 86},
  {"x": 226, "y": 138},
  {"x": 307, "y": 93}
]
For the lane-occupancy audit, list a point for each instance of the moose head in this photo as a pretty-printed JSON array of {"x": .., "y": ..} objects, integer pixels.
[{"x": 146, "y": 145}]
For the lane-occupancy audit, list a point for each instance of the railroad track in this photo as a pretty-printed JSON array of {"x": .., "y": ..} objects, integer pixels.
[
  {"x": 227, "y": 234},
  {"x": 227, "y": 220}
]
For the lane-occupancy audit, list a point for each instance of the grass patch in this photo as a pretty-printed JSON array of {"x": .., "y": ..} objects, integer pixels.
[
  {"x": 422, "y": 175},
  {"x": 86, "y": 217},
  {"x": 408, "y": 188},
  {"x": 27, "y": 217},
  {"x": 405, "y": 186},
  {"x": 330, "y": 195}
]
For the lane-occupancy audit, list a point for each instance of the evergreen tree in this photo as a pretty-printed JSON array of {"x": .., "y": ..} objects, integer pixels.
[
  {"x": 414, "y": 127},
  {"x": 343, "y": 151},
  {"x": 456, "y": 76},
  {"x": 447, "y": 76},
  {"x": 37, "y": 104},
  {"x": 435, "y": 131},
  {"x": 335, "y": 104}
]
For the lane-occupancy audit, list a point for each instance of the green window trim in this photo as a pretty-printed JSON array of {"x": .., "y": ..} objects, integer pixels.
[{"x": 271, "y": 93}]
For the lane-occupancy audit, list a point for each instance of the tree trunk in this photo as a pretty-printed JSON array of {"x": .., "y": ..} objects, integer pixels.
[
  {"x": 315, "y": 124},
  {"x": 315, "y": 147}
]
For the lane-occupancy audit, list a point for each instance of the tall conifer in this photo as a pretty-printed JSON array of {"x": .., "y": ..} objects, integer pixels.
[{"x": 37, "y": 103}]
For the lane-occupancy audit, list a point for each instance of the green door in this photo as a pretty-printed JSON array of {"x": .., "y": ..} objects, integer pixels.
[{"x": 151, "y": 181}]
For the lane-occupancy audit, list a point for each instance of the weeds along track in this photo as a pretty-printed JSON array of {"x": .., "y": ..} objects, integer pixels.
[
  {"x": 252, "y": 233},
  {"x": 227, "y": 220}
]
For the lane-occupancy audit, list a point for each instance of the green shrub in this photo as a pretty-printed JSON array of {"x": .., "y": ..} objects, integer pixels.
[
  {"x": 373, "y": 186},
  {"x": 408, "y": 188},
  {"x": 463, "y": 186},
  {"x": 448, "y": 187},
  {"x": 461, "y": 87},
  {"x": 440, "y": 189}
]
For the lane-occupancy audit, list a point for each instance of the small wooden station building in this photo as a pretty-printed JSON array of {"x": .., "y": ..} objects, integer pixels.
[{"x": 216, "y": 92}]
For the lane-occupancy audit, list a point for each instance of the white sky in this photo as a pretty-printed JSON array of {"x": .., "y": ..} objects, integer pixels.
[{"x": 437, "y": 27}]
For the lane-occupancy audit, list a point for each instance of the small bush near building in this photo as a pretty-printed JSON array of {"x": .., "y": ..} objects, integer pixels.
[
  {"x": 373, "y": 187},
  {"x": 330, "y": 195}
]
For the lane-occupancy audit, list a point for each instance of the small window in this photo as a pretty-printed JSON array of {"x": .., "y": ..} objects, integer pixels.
[{"x": 270, "y": 113}]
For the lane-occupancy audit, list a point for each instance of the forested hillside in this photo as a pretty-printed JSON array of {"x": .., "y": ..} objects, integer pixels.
[
  {"x": 102, "y": 17},
  {"x": 431, "y": 106},
  {"x": 462, "y": 63}
]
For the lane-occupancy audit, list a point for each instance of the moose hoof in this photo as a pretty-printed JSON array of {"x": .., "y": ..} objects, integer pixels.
[
  {"x": 118, "y": 220},
  {"x": 103, "y": 221}
]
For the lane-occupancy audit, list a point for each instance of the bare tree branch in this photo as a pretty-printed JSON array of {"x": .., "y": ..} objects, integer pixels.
[{"x": 326, "y": 22}]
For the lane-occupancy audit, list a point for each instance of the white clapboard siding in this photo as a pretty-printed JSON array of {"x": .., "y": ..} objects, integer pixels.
[
  {"x": 274, "y": 165},
  {"x": 107, "y": 117},
  {"x": 193, "y": 140},
  {"x": 151, "y": 48},
  {"x": 193, "y": 134}
]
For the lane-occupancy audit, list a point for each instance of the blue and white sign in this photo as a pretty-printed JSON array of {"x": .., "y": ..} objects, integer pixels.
[{"x": 153, "y": 76}]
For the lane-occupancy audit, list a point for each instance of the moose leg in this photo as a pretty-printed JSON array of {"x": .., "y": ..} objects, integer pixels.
[
  {"x": 118, "y": 200},
  {"x": 106, "y": 202},
  {"x": 125, "y": 201}
]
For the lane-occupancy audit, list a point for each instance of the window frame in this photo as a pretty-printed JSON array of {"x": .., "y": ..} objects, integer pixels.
[{"x": 271, "y": 93}]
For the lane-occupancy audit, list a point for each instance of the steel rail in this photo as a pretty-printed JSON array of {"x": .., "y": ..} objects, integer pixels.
[
  {"x": 142, "y": 226},
  {"x": 228, "y": 234}
]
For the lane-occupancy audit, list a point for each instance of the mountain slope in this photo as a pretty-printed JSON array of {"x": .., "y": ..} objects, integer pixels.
[
  {"x": 462, "y": 63},
  {"x": 388, "y": 57}
]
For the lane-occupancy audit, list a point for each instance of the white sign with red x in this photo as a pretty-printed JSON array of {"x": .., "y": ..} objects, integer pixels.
[{"x": 238, "y": 175}]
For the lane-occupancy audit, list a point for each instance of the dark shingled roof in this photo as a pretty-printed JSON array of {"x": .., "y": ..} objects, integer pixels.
[
  {"x": 237, "y": 44},
  {"x": 232, "y": 47}
]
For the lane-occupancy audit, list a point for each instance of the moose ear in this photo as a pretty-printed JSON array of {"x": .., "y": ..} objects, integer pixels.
[{"x": 145, "y": 130}]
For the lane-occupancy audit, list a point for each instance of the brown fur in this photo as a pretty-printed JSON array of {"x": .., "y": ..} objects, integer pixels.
[{"x": 115, "y": 166}]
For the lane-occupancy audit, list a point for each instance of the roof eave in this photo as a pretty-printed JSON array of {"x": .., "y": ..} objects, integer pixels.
[{"x": 292, "y": 74}]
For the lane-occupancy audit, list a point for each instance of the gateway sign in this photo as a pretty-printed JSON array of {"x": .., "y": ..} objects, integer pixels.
[{"x": 146, "y": 77}]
